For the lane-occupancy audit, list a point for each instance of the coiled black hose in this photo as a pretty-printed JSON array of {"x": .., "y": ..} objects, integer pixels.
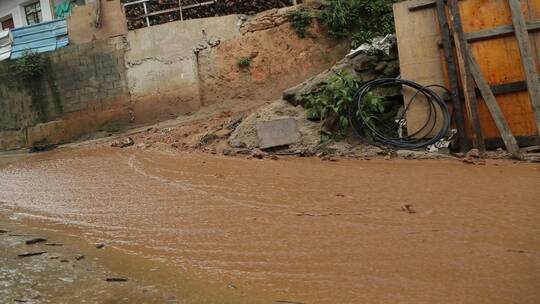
[{"x": 360, "y": 122}]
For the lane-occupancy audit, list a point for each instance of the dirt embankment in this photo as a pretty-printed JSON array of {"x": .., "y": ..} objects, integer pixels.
[{"x": 278, "y": 58}]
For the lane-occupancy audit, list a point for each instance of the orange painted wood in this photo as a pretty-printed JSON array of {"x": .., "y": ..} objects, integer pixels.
[{"x": 500, "y": 61}]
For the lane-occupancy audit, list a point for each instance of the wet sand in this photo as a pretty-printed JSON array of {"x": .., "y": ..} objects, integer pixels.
[{"x": 298, "y": 230}]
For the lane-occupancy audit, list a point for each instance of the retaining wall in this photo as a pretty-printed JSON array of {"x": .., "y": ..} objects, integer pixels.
[
  {"x": 156, "y": 73},
  {"x": 82, "y": 88},
  {"x": 162, "y": 65}
]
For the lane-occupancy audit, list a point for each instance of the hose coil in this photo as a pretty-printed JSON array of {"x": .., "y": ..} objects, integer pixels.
[{"x": 416, "y": 140}]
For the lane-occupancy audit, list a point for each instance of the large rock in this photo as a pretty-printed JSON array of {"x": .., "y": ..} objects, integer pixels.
[{"x": 246, "y": 135}]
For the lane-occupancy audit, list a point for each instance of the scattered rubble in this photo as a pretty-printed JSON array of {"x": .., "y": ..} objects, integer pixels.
[
  {"x": 246, "y": 135},
  {"x": 266, "y": 20},
  {"x": 474, "y": 157},
  {"x": 408, "y": 208},
  {"x": 116, "y": 279},
  {"x": 54, "y": 244},
  {"x": 35, "y": 241},
  {"x": 126, "y": 142},
  {"x": 30, "y": 254}
]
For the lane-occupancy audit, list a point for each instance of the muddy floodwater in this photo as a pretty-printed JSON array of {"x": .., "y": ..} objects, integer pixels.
[{"x": 292, "y": 230}]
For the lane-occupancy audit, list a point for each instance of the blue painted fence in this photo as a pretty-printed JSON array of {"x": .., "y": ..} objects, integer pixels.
[{"x": 39, "y": 38}]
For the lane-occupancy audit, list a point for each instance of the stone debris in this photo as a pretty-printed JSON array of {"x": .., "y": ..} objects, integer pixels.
[
  {"x": 264, "y": 21},
  {"x": 532, "y": 149},
  {"x": 123, "y": 143},
  {"x": 35, "y": 241},
  {"x": 79, "y": 257},
  {"x": 246, "y": 137},
  {"x": 258, "y": 154},
  {"x": 116, "y": 279},
  {"x": 408, "y": 208},
  {"x": 473, "y": 153},
  {"x": 473, "y": 157},
  {"x": 100, "y": 245},
  {"x": 30, "y": 254}
]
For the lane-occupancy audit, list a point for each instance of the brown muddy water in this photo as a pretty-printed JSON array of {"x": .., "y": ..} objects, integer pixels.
[{"x": 234, "y": 230}]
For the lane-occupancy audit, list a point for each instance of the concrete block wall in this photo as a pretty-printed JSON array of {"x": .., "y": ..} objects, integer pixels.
[{"x": 82, "y": 89}]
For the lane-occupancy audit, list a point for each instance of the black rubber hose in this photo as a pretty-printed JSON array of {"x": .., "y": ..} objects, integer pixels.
[{"x": 359, "y": 123}]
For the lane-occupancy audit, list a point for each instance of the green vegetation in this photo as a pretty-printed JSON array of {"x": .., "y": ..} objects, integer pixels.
[
  {"x": 374, "y": 107},
  {"x": 244, "y": 62},
  {"x": 30, "y": 66},
  {"x": 360, "y": 19},
  {"x": 300, "y": 19},
  {"x": 332, "y": 100}
]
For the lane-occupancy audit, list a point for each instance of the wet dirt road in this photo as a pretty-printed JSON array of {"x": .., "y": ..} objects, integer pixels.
[{"x": 298, "y": 230}]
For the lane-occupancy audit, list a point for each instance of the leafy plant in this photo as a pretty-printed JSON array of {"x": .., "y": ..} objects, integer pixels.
[
  {"x": 30, "y": 66},
  {"x": 359, "y": 38},
  {"x": 345, "y": 17},
  {"x": 332, "y": 100},
  {"x": 373, "y": 108},
  {"x": 300, "y": 19},
  {"x": 244, "y": 62},
  {"x": 340, "y": 16}
]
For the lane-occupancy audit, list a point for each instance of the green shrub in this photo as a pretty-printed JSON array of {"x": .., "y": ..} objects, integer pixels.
[
  {"x": 30, "y": 66},
  {"x": 244, "y": 62},
  {"x": 364, "y": 19},
  {"x": 300, "y": 20},
  {"x": 359, "y": 38},
  {"x": 340, "y": 16},
  {"x": 332, "y": 100}
]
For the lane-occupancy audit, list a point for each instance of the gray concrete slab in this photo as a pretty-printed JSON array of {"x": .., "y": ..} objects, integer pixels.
[{"x": 279, "y": 132}]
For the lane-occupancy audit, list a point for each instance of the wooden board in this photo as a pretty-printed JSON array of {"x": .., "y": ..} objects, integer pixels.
[
  {"x": 499, "y": 58},
  {"x": 500, "y": 62},
  {"x": 420, "y": 58}
]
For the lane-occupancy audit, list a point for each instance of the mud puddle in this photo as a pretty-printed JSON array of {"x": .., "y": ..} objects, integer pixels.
[{"x": 296, "y": 230}]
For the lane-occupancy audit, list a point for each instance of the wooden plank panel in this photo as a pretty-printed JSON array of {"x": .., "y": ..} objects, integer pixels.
[
  {"x": 527, "y": 58},
  {"x": 511, "y": 107},
  {"x": 500, "y": 62},
  {"x": 419, "y": 56},
  {"x": 463, "y": 54},
  {"x": 500, "y": 31},
  {"x": 499, "y": 58},
  {"x": 533, "y": 13},
  {"x": 452, "y": 72},
  {"x": 491, "y": 103}
]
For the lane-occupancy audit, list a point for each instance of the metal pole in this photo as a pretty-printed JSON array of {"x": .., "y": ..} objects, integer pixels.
[
  {"x": 181, "y": 12},
  {"x": 146, "y": 12}
]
